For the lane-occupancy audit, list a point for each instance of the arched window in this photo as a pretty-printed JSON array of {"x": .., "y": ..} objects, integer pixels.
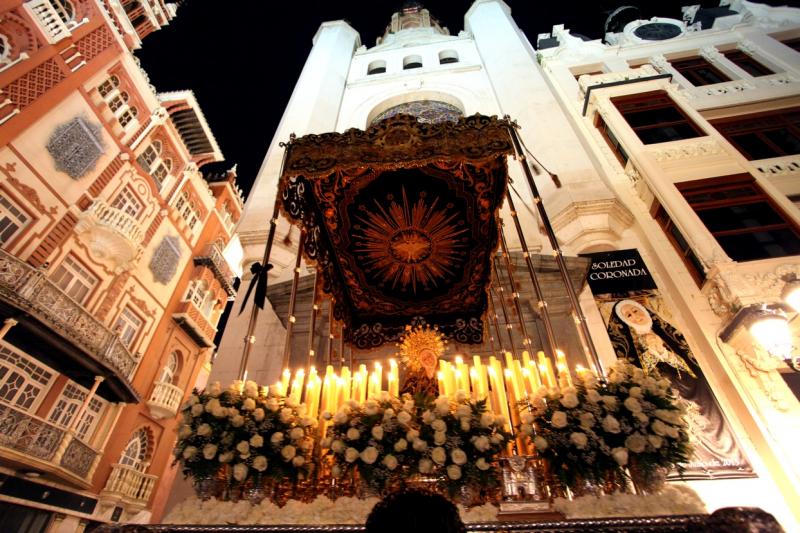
[
  {"x": 65, "y": 10},
  {"x": 150, "y": 155},
  {"x": 448, "y": 56},
  {"x": 108, "y": 86},
  {"x": 410, "y": 62},
  {"x": 169, "y": 374},
  {"x": 376, "y": 67},
  {"x": 127, "y": 116},
  {"x": 5, "y": 49},
  {"x": 209, "y": 302},
  {"x": 135, "y": 452}
]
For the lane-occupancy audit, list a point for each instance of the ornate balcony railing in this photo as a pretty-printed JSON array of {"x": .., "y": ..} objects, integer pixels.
[
  {"x": 213, "y": 259},
  {"x": 57, "y": 448},
  {"x": 128, "y": 486},
  {"x": 111, "y": 234},
  {"x": 165, "y": 400},
  {"x": 195, "y": 323},
  {"x": 50, "y": 22},
  {"x": 28, "y": 289}
]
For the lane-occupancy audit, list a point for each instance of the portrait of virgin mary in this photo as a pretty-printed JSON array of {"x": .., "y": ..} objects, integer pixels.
[{"x": 650, "y": 342}]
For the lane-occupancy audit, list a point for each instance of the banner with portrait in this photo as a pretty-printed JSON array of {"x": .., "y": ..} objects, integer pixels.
[{"x": 641, "y": 329}]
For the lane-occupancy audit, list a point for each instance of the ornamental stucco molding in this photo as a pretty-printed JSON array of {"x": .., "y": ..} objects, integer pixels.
[
  {"x": 746, "y": 46},
  {"x": 608, "y": 216},
  {"x": 687, "y": 150},
  {"x": 711, "y": 53},
  {"x": 732, "y": 286},
  {"x": 660, "y": 62}
]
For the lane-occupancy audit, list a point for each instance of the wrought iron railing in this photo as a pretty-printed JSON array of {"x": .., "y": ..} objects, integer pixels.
[
  {"x": 213, "y": 259},
  {"x": 78, "y": 458},
  {"x": 29, "y": 289}
]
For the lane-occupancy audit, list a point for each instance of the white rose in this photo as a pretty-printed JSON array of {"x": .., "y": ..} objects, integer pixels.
[
  {"x": 425, "y": 466},
  {"x": 215, "y": 389},
  {"x": 226, "y": 457},
  {"x": 256, "y": 441},
  {"x": 288, "y": 452},
  {"x": 251, "y": 389},
  {"x": 298, "y": 461},
  {"x": 337, "y": 446},
  {"x": 428, "y": 417},
  {"x": 273, "y": 405},
  {"x": 400, "y": 445},
  {"x": 220, "y": 412},
  {"x": 235, "y": 386},
  {"x": 237, "y": 421},
  {"x": 463, "y": 410},
  {"x": 408, "y": 405},
  {"x": 403, "y": 418},
  {"x": 458, "y": 456},
  {"x": 635, "y": 392},
  {"x": 239, "y": 472},
  {"x": 454, "y": 472},
  {"x": 260, "y": 463},
  {"x": 390, "y": 462},
  {"x": 371, "y": 408},
  {"x": 353, "y": 434},
  {"x": 465, "y": 425},
  {"x": 487, "y": 419},
  {"x": 638, "y": 374},
  {"x": 569, "y": 401},
  {"x": 209, "y": 451},
  {"x": 540, "y": 443},
  {"x": 297, "y": 433},
  {"x": 351, "y": 454},
  {"x": 659, "y": 428},
  {"x": 286, "y": 415},
  {"x": 482, "y": 443},
  {"x": 189, "y": 452},
  {"x": 587, "y": 420},
  {"x": 442, "y": 406},
  {"x": 248, "y": 404},
  {"x": 579, "y": 439},
  {"x": 212, "y": 404},
  {"x": 388, "y": 414},
  {"x": 482, "y": 464},
  {"x": 377, "y": 432},
  {"x": 439, "y": 455},
  {"x": 340, "y": 418},
  {"x": 610, "y": 402},
  {"x": 276, "y": 438},
  {"x": 419, "y": 445},
  {"x": 632, "y": 404},
  {"x": 439, "y": 437},
  {"x": 197, "y": 410},
  {"x": 184, "y": 432},
  {"x": 593, "y": 396},
  {"x": 439, "y": 425},
  {"x": 636, "y": 443},
  {"x": 243, "y": 447},
  {"x": 559, "y": 420},
  {"x": 611, "y": 424},
  {"x": 620, "y": 455},
  {"x": 655, "y": 441},
  {"x": 461, "y": 396},
  {"x": 369, "y": 455},
  {"x": 258, "y": 414},
  {"x": 412, "y": 435}
]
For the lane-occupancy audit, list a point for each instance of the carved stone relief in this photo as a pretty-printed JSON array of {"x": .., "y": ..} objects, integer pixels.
[
  {"x": 76, "y": 146},
  {"x": 165, "y": 259}
]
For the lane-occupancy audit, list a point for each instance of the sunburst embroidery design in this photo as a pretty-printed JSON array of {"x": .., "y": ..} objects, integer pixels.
[{"x": 410, "y": 247}]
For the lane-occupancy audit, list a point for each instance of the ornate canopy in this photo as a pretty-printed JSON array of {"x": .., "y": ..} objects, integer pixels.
[{"x": 401, "y": 221}]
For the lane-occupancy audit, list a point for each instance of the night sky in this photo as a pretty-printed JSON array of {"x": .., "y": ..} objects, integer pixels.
[{"x": 242, "y": 57}]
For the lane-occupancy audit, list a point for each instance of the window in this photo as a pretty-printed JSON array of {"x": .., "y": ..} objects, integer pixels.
[
  {"x": 188, "y": 210},
  {"x": 612, "y": 140},
  {"x": 68, "y": 405},
  {"x": 742, "y": 217},
  {"x": 197, "y": 293},
  {"x": 135, "y": 452},
  {"x": 150, "y": 155},
  {"x": 376, "y": 67},
  {"x": 108, "y": 86},
  {"x": 747, "y": 63},
  {"x": 12, "y": 220},
  {"x": 23, "y": 380},
  {"x": 699, "y": 71},
  {"x": 169, "y": 373},
  {"x": 680, "y": 244},
  {"x": 128, "y": 202},
  {"x": 448, "y": 56},
  {"x": 412, "y": 62},
  {"x": 127, "y": 116},
  {"x": 117, "y": 102},
  {"x": 5, "y": 48},
  {"x": 75, "y": 280},
  {"x": 65, "y": 10},
  {"x": 793, "y": 44},
  {"x": 656, "y": 118},
  {"x": 128, "y": 326},
  {"x": 763, "y": 135}
]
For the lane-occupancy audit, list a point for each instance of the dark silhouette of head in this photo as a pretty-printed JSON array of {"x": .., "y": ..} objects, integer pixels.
[{"x": 415, "y": 511}]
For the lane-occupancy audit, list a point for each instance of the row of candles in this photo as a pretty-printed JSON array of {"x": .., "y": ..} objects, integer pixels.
[{"x": 502, "y": 385}]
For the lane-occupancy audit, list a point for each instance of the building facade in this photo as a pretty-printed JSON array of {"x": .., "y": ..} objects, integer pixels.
[
  {"x": 677, "y": 138},
  {"x": 113, "y": 263}
]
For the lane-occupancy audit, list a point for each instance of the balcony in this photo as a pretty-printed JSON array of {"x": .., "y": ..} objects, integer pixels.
[
  {"x": 165, "y": 400},
  {"x": 194, "y": 322},
  {"x": 51, "y": 24},
  {"x": 35, "y": 444},
  {"x": 111, "y": 234},
  {"x": 128, "y": 487},
  {"x": 213, "y": 259},
  {"x": 52, "y": 317}
]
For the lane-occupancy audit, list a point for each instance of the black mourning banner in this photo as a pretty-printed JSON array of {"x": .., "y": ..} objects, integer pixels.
[
  {"x": 619, "y": 271},
  {"x": 641, "y": 330}
]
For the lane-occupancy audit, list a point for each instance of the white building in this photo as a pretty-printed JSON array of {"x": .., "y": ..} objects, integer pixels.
[{"x": 680, "y": 139}]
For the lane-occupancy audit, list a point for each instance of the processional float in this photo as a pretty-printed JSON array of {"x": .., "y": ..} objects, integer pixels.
[{"x": 402, "y": 225}]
